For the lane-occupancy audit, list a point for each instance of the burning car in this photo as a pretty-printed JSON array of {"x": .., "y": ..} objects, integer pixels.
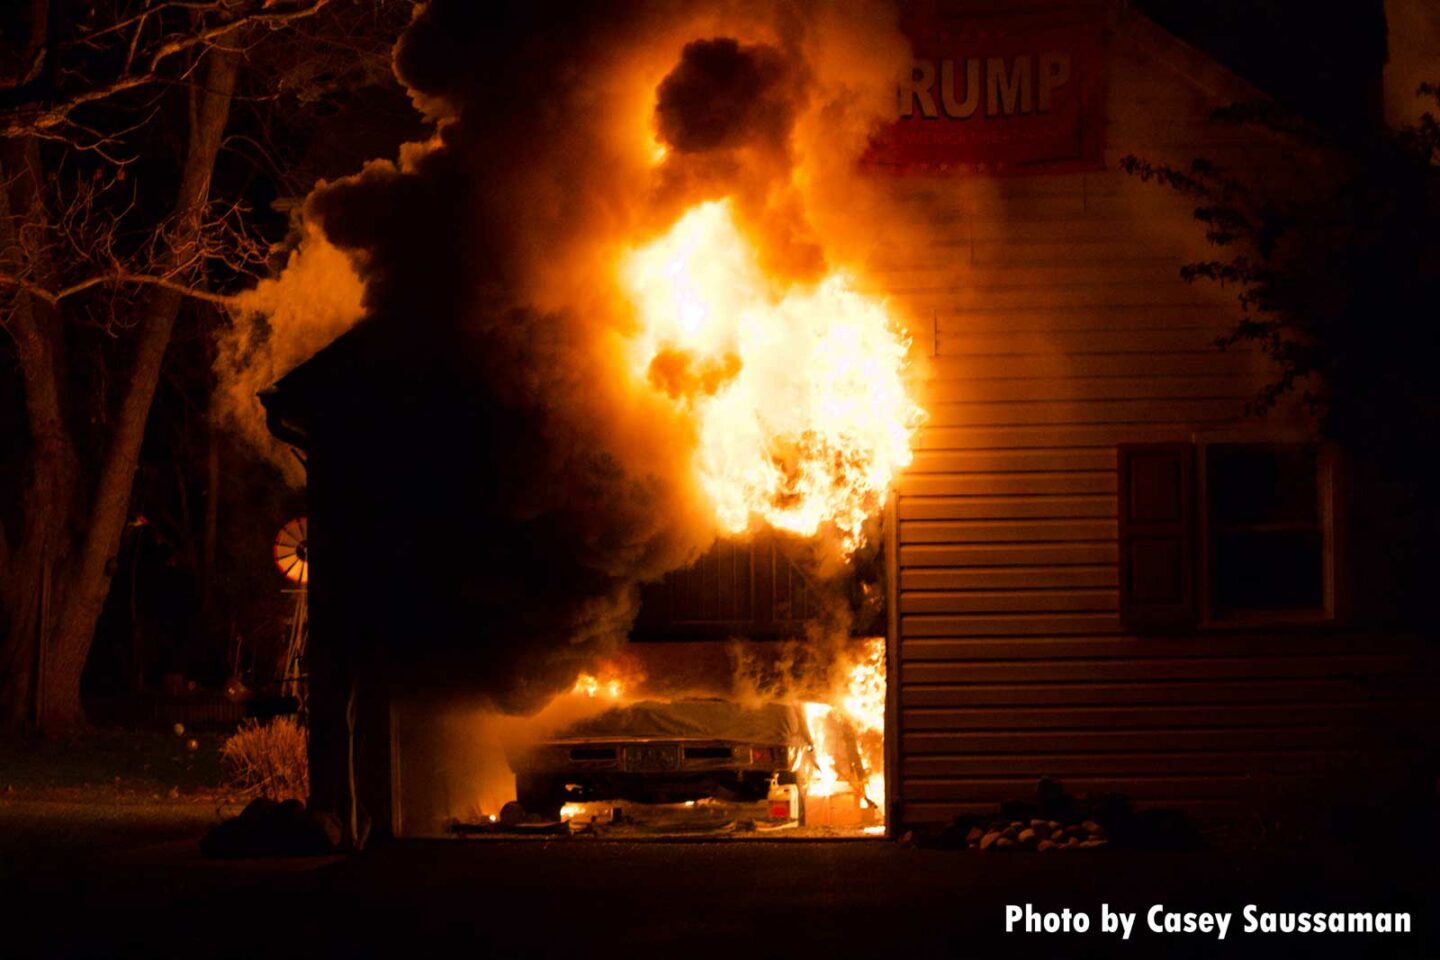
[{"x": 659, "y": 752}]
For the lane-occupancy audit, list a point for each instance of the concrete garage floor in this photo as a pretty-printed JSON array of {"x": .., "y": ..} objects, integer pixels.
[
  {"x": 146, "y": 892},
  {"x": 708, "y": 818}
]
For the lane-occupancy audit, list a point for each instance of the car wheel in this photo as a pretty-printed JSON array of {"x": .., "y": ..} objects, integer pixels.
[{"x": 541, "y": 796}]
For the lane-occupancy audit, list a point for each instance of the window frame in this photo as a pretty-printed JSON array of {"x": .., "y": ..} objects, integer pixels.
[{"x": 1328, "y": 504}]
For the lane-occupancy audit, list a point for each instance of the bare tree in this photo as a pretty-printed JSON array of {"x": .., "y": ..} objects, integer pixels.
[{"x": 81, "y": 245}]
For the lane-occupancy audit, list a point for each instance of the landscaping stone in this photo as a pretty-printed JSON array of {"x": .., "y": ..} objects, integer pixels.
[
  {"x": 1057, "y": 821},
  {"x": 269, "y": 829}
]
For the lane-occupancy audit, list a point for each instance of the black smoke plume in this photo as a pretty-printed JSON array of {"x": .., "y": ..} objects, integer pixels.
[
  {"x": 723, "y": 95},
  {"x": 508, "y": 485}
]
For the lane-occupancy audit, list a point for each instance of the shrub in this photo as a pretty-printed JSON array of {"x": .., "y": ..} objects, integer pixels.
[{"x": 268, "y": 760}]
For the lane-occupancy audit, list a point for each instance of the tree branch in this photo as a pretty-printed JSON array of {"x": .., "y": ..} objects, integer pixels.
[
  {"x": 82, "y": 245},
  {"x": 46, "y": 118},
  {"x": 117, "y": 278}
]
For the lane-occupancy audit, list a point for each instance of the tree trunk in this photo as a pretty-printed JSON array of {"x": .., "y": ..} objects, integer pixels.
[
  {"x": 209, "y": 534},
  {"x": 28, "y": 588},
  {"x": 88, "y": 580}
]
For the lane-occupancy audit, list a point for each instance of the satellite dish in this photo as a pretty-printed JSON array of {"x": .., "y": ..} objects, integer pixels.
[{"x": 292, "y": 555}]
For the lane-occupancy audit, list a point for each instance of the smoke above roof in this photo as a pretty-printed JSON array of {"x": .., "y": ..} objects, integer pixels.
[{"x": 565, "y": 136}]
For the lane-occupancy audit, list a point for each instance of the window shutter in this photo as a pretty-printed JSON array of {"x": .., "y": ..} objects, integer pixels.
[{"x": 1157, "y": 536}]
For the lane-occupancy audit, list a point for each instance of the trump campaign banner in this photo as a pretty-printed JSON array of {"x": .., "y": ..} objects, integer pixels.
[{"x": 998, "y": 93}]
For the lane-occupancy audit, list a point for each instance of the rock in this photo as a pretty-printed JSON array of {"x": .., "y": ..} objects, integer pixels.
[
  {"x": 956, "y": 834},
  {"x": 1026, "y": 836},
  {"x": 1004, "y": 842},
  {"x": 989, "y": 840},
  {"x": 228, "y": 839},
  {"x": 1046, "y": 845},
  {"x": 1058, "y": 836},
  {"x": 1087, "y": 844},
  {"x": 1054, "y": 824},
  {"x": 269, "y": 829},
  {"x": 1090, "y": 826},
  {"x": 257, "y": 808},
  {"x": 322, "y": 831},
  {"x": 1038, "y": 824},
  {"x": 1072, "y": 841},
  {"x": 1016, "y": 825}
]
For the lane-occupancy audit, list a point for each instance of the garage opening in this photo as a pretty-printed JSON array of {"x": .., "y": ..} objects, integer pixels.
[{"x": 749, "y": 702}]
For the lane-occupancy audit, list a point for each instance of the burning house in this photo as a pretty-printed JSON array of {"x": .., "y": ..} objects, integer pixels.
[{"x": 720, "y": 369}]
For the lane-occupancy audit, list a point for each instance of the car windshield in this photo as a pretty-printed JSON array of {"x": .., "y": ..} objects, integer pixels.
[{"x": 695, "y": 719}]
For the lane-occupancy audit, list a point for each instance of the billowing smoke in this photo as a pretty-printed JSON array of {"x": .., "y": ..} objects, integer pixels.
[
  {"x": 567, "y": 135},
  {"x": 279, "y": 325},
  {"x": 724, "y": 95}
]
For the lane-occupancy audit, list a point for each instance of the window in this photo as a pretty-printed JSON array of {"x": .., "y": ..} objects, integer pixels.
[
  {"x": 1224, "y": 532},
  {"x": 1265, "y": 528}
]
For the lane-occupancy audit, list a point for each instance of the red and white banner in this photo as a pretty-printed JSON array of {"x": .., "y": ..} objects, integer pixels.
[{"x": 999, "y": 93}]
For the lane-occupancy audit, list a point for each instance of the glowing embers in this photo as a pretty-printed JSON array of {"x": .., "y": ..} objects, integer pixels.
[{"x": 796, "y": 393}]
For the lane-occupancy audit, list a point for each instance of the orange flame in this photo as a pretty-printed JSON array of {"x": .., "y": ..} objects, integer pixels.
[
  {"x": 796, "y": 392},
  {"x": 860, "y": 703},
  {"x": 825, "y": 778},
  {"x": 609, "y": 684},
  {"x": 864, "y": 698}
]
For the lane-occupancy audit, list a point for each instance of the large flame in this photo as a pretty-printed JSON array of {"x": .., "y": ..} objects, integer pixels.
[{"x": 799, "y": 404}]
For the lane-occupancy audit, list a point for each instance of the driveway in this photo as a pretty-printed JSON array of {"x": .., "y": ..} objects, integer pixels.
[{"x": 148, "y": 893}]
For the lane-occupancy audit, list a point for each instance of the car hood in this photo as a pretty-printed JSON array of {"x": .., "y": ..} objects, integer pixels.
[{"x": 773, "y": 723}]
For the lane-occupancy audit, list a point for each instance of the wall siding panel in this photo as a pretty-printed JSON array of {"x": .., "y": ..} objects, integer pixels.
[{"x": 1050, "y": 324}]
